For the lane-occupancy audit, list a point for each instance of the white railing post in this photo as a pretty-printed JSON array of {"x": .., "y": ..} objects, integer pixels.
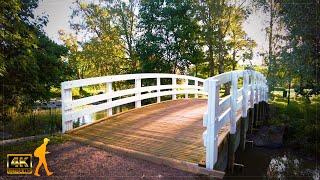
[
  {"x": 258, "y": 89},
  {"x": 174, "y": 84},
  {"x": 138, "y": 94},
  {"x": 109, "y": 90},
  {"x": 196, "y": 86},
  {"x": 234, "y": 95},
  {"x": 186, "y": 83},
  {"x": 66, "y": 96},
  {"x": 212, "y": 134},
  {"x": 245, "y": 94},
  {"x": 252, "y": 90},
  {"x": 255, "y": 89},
  {"x": 158, "y": 89}
]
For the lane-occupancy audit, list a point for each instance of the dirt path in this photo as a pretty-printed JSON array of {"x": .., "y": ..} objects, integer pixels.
[{"x": 72, "y": 160}]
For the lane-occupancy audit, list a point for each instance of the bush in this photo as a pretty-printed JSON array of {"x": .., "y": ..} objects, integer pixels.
[
  {"x": 32, "y": 123},
  {"x": 301, "y": 118}
]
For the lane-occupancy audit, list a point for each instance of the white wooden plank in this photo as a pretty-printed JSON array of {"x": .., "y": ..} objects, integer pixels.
[
  {"x": 125, "y": 77},
  {"x": 234, "y": 90},
  {"x": 225, "y": 103}
]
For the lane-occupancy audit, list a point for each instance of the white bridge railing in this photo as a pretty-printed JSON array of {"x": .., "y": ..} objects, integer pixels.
[
  {"x": 230, "y": 108},
  {"x": 73, "y": 109},
  {"x": 221, "y": 111}
]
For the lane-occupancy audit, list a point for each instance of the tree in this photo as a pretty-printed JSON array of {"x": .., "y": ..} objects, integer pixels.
[
  {"x": 127, "y": 22},
  {"x": 101, "y": 50},
  {"x": 170, "y": 36},
  {"x": 240, "y": 45},
  {"x": 302, "y": 23},
  {"x": 221, "y": 20},
  {"x": 30, "y": 62},
  {"x": 293, "y": 55}
]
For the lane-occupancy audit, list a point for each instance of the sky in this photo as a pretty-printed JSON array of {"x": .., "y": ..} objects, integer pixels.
[{"x": 59, "y": 12}]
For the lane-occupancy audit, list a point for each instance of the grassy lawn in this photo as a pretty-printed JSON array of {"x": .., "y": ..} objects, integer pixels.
[
  {"x": 32, "y": 123},
  {"x": 301, "y": 118}
]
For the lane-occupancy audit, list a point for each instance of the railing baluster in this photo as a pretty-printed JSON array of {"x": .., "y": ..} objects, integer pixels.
[
  {"x": 252, "y": 90},
  {"x": 186, "y": 83},
  {"x": 66, "y": 96},
  {"x": 196, "y": 84},
  {"x": 256, "y": 100},
  {"x": 109, "y": 90},
  {"x": 245, "y": 94},
  {"x": 138, "y": 94},
  {"x": 174, "y": 83},
  {"x": 158, "y": 90},
  {"x": 234, "y": 95},
  {"x": 212, "y": 134}
]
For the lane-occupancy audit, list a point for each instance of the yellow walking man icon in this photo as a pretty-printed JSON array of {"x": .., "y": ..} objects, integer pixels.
[{"x": 40, "y": 152}]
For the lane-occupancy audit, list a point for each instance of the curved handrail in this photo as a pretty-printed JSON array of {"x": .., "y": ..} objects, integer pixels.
[
  {"x": 77, "y": 108},
  {"x": 229, "y": 109}
]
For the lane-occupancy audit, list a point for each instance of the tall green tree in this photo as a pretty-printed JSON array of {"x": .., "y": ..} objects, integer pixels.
[
  {"x": 301, "y": 18},
  {"x": 220, "y": 21},
  {"x": 127, "y": 19},
  {"x": 30, "y": 62},
  {"x": 240, "y": 45},
  {"x": 97, "y": 48},
  {"x": 170, "y": 36}
]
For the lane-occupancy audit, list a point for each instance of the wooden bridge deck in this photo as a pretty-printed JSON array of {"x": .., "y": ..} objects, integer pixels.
[{"x": 171, "y": 129}]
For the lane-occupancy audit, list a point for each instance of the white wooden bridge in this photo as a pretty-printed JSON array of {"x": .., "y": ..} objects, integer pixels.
[{"x": 183, "y": 132}]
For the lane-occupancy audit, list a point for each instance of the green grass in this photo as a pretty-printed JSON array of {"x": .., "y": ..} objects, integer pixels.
[
  {"x": 301, "y": 118},
  {"x": 32, "y": 123}
]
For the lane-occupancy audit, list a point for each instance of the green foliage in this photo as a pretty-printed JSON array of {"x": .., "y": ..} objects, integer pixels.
[
  {"x": 32, "y": 123},
  {"x": 169, "y": 36},
  {"x": 224, "y": 41},
  {"x": 109, "y": 42},
  {"x": 294, "y": 57},
  {"x": 170, "y": 40},
  {"x": 301, "y": 118},
  {"x": 30, "y": 62}
]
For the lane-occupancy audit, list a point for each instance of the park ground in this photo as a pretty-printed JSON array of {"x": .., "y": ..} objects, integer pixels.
[{"x": 74, "y": 160}]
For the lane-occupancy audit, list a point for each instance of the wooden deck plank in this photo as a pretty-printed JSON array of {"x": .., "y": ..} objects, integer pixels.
[{"x": 172, "y": 129}]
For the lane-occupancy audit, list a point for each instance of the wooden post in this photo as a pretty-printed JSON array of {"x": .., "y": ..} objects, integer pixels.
[
  {"x": 158, "y": 87},
  {"x": 109, "y": 90},
  {"x": 212, "y": 134},
  {"x": 138, "y": 94},
  {"x": 186, "y": 83},
  {"x": 174, "y": 83},
  {"x": 66, "y": 96}
]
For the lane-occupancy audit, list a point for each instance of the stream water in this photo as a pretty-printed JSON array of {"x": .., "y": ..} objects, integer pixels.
[{"x": 273, "y": 163}]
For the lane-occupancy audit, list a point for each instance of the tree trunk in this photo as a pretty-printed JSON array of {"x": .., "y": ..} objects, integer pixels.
[
  {"x": 270, "y": 68},
  {"x": 196, "y": 70},
  {"x": 234, "y": 63},
  {"x": 211, "y": 60}
]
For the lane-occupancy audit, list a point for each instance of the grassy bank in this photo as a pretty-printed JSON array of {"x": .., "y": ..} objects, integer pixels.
[
  {"x": 301, "y": 118},
  {"x": 31, "y": 123}
]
